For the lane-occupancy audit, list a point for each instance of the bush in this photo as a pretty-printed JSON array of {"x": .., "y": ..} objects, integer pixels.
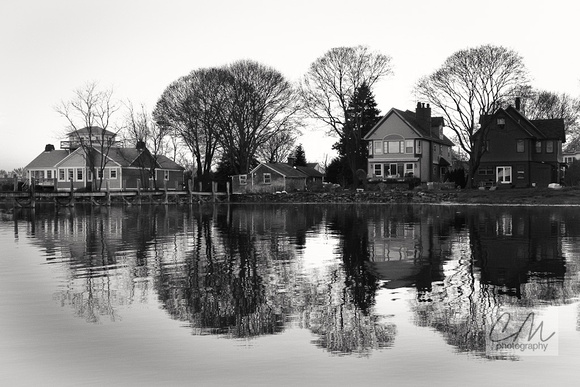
[
  {"x": 457, "y": 176},
  {"x": 572, "y": 176}
]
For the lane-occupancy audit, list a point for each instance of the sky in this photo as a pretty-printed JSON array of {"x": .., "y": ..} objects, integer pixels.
[{"x": 49, "y": 48}]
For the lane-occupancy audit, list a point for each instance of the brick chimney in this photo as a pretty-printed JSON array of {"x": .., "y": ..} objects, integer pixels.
[
  {"x": 518, "y": 103},
  {"x": 423, "y": 114},
  {"x": 291, "y": 160}
]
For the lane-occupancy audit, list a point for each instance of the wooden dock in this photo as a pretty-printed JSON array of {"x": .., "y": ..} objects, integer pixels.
[{"x": 107, "y": 197}]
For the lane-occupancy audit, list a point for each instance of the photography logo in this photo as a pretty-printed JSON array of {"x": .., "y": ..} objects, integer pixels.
[{"x": 522, "y": 333}]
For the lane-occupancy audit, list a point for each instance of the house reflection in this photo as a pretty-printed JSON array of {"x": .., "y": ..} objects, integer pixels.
[
  {"x": 408, "y": 245},
  {"x": 516, "y": 246},
  {"x": 507, "y": 259}
]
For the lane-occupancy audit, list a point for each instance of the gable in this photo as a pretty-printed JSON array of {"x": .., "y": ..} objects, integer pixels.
[
  {"x": 75, "y": 159},
  {"x": 392, "y": 124}
]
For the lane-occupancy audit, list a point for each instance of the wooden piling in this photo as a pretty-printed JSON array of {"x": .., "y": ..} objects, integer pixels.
[{"x": 139, "y": 191}]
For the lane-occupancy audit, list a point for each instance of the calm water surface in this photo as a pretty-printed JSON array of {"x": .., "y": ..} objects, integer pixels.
[{"x": 289, "y": 295}]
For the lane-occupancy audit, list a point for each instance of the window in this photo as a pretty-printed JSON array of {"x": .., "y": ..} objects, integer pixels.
[
  {"x": 370, "y": 148},
  {"x": 409, "y": 146},
  {"x": 504, "y": 175},
  {"x": 501, "y": 122},
  {"x": 267, "y": 178},
  {"x": 166, "y": 175},
  {"x": 243, "y": 179},
  {"x": 394, "y": 147},
  {"x": 378, "y": 170},
  {"x": 89, "y": 176},
  {"x": 99, "y": 173},
  {"x": 485, "y": 171},
  {"x": 71, "y": 173},
  {"x": 79, "y": 174},
  {"x": 61, "y": 174},
  {"x": 378, "y": 148},
  {"x": 409, "y": 169},
  {"x": 538, "y": 147},
  {"x": 49, "y": 174},
  {"x": 520, "y": 146},
  {"x": 113, "y": 173},
  {"x": 418, "y": 146},
  {"x": 569, "y": 159},
  {"x": 549, "y": 146}
]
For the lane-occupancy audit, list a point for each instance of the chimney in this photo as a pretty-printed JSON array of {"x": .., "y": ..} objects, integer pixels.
[
  {"x": 423, "y": 114},
  {"x": 518, "y": 103},
  {"x": 140, "y": 145},
  {"x": 48, "y": 148},
  {"x": 291, "y": 160}
]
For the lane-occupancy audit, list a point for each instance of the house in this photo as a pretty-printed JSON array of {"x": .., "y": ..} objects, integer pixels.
[
  {"x": 408, "y": 144},
  {"x": 314, "y": 178},
  {"x": 271, "y": 177},
  {"x": 316, "y": 166},
  {"x": 115, "y": 167},
  {"x": 520, "y": 152}
]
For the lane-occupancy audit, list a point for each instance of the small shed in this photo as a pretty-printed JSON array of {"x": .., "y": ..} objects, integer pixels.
[{"x": 270, "y": 178}]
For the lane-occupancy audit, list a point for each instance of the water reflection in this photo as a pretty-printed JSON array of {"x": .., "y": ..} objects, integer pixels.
[{"x": 242, "y": 271}]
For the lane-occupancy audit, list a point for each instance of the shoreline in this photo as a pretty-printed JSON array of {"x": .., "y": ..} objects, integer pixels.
[{"x": 521, "y": 197}]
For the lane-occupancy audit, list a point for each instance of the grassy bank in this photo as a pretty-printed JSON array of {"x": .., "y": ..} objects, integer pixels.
[{"x": 516, "y": 196}]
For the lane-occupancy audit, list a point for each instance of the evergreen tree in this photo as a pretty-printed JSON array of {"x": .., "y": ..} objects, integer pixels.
[
  {"x": 299, "y": 156},
  {"x": 362, "y": 115}
]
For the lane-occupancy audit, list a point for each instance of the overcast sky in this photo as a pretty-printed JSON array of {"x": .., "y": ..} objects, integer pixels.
[{"x": 48, "y": 48}]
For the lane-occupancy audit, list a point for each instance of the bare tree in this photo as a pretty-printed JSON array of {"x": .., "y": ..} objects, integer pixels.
[
  {"x": 472, "y": 83},
  {"x": 190, "y": 108},
  {"x": 278, "y": 148},
  {"x": 141, "y": 131},
  {"x": 89, "y": 114},
  {"x": 260, "y": 104},
  {"x": 543, "y": 104},
  {"x": 330, "y": 83}
]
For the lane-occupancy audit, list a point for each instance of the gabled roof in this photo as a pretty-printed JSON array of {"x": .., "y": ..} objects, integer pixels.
[
  {"x": 166, "y": 163},
  {"x": 551, "y": 128},
  {"x": 283, "y": 169},
  {"x": 410, "y": 118},
  {"x": 48, "y": 159},
  {"x": 542, "y": 129},
  {"x": 310, "y": 172},
  {"x": 125, "y": 157}
]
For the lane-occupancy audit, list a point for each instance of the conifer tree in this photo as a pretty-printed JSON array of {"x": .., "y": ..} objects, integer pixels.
[
  {"x": 362, "y": 115},
  {"x": 299, "y": 156}
]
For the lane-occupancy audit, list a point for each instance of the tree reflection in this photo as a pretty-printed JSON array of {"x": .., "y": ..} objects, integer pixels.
[
  {"x": 240, "y": 271},
  {"x": 508, "y": 260}
]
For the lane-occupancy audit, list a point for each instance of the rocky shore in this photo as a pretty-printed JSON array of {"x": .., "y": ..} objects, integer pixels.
[{"x": 520, "y": 196}]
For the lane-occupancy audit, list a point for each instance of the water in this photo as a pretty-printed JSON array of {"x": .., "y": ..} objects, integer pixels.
[{"x": 288, "y": 295}]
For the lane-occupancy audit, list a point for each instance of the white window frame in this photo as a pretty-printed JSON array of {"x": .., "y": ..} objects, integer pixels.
[
  {"x": 61, "y": 174},
  {"x": 70, "y": 174},
  {"x": 409, "y": 170},
  {"x": 503, "y": 177},
  {"x": 418, "y": 146},
  {"x": 81, "y": 172},
  {"x": 409, "y": 146},
  {"x": 267, "y": 178},
  {"x": 166, "y": 175},
  {"x": 243, "y": 179},
  {"x": 113, "y": 173},
  {"x": 378, "y": 147},
  {"x": 380, "y": 170}
]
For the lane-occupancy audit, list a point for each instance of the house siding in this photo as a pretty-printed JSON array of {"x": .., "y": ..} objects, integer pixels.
[{"x": 528, "y": 167}]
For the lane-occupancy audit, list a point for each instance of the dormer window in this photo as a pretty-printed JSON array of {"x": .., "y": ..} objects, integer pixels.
[{"x": 501, "y": 122}]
